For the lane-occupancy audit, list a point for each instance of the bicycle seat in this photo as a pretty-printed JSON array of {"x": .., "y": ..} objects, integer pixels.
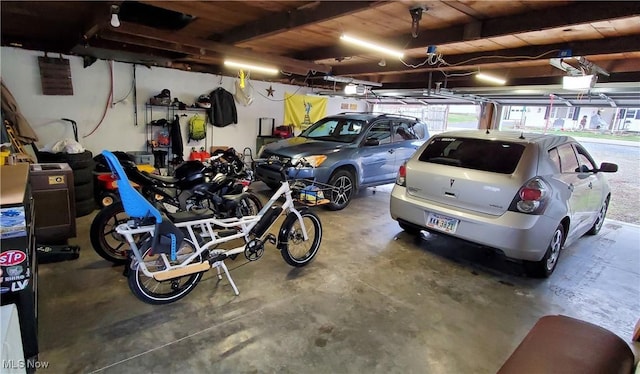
[{"x": 135, "y": 205}]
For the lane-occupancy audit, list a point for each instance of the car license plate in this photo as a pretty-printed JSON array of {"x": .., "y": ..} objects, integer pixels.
[{"x": 442, "y": 223}]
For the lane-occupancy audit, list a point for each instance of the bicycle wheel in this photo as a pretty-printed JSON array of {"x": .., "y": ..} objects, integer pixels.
[
  {"x": 105, "y": 240},
  {"x": 294, "y": 249},
  {"x": 156, "y": 292}
]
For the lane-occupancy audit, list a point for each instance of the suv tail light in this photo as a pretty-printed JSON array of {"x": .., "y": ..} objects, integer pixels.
[
  {"x": 401, "y": 179},
  {"x": 531, "y": 198}
]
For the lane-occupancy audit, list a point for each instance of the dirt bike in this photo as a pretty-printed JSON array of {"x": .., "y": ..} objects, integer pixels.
[{"x": 195, "y": 188}]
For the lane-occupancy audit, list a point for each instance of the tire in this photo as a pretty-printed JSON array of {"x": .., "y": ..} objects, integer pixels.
[
  {"x": 250, "y": 205},
  {"x": 602, "y": 213},
  {"x": 49, "y": 157},
  {"x": 85, "y": 207},
  {"x": 83, "y": 191},
  {"x": 273, "y": 186},
  {"x": 409, "y": 229},
  {"x": 79, "y": 160},
  {"x": 344, "y": 186},
  {"x": 82, "y": 176},
  {"x": 82, "y": 164},
  {"x": 548, "y": 263},
  {"x": 105, "y": 240},
  {"x": 152, "y": 291},
  {"x": 294, "y": 250}
]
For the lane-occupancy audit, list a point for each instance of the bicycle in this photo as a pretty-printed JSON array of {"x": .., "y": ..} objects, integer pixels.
[{"x": 171, "y": 255}]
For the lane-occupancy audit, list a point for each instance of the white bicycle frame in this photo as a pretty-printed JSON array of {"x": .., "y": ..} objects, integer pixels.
[{"x": 245, "y": 223}]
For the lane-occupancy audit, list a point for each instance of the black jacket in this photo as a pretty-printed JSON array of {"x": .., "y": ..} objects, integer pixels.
[{"x": 223, "y": 108}]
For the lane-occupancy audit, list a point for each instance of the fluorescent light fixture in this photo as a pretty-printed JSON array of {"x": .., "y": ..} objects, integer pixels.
[
  {"x": 490, "y": 78},
  {"x": 332, "y": 78},
  {"x": 579, "y": 83},
  {"x": 373, "y": 46},
  {"x": 350, "y": 89},
  {"x": 263, "y": 69}
]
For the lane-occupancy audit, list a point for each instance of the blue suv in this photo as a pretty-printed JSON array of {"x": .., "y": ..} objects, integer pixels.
[{"x": 347, "y": 151}]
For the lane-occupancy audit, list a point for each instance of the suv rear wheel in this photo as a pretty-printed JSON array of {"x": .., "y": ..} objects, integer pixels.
[{"x": 344, "y": 186}]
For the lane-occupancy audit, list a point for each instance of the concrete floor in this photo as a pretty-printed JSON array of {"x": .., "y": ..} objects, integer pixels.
[{"x": 375, "y": 300}]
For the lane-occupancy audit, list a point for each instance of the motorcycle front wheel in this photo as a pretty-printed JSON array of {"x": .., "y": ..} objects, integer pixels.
[
  {"x": 105, "y": 240},
  {"x": 156, "y": 292},
  {"x": 250, "y": 205}
]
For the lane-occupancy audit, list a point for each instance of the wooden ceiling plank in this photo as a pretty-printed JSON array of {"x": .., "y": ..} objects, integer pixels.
[
  {"x": 564, "y": 16},
  {"x": 465, "y": 9},
  {"x": 579, "y": 48},
  {"x": 513, "y": 24},
  {"x": 285, "y": 21},
  {"x": 231, "y": 51}
]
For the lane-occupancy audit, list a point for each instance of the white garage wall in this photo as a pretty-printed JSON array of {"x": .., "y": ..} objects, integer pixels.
[{"x": 21, "y": 74}]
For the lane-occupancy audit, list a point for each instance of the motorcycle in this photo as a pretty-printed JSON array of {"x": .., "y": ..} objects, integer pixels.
[{"x": 219, "y": 190}]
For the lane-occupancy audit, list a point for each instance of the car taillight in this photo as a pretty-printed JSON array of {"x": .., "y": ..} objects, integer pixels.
[
  {"x": 531, "y": 198},
  {"x": 401, "y": 180}
]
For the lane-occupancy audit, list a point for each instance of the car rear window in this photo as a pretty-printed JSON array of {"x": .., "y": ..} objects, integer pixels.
[{"x": 487, "y": 155}]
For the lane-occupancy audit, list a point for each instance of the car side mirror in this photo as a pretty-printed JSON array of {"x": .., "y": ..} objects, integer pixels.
[
  {"x": 371, "y": 141},
  {"x": 608, "y": 167}
]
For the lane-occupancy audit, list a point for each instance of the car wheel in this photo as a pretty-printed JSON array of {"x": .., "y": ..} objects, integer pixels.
[
  {"x": 597, "y": 225},
  {"x": 546, "y": 266},
  {"x": 410, "y": 229},
  {"x": 343, "y": 186}
]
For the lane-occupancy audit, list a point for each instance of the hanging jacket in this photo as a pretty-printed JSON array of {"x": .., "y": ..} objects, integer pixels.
[
  {"x": 176, "y": 138},
  {"x": 223, "y": 108}
]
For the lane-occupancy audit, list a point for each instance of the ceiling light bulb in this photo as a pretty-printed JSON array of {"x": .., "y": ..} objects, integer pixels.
[
  {"x": 369, "y": 45},
  {"x": 115, "y": 21}
]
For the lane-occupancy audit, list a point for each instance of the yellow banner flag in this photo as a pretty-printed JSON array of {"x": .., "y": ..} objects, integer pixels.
[{"x": 301, "y": 111}]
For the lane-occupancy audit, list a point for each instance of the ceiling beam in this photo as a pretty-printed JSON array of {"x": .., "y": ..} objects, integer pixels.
[
  {"x": 153, "y": 43},
  {"x": 286, "y": 21},
  {"x": 285, "y": 63},
  {"x": 536, "y": 20}
]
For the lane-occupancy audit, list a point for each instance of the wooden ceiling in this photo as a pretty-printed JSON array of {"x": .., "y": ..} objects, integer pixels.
[{"x": 512, "y": 39}]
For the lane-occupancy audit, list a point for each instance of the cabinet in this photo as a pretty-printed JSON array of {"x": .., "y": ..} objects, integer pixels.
[
  {"x": 52, "y": 188},
  {"x": 159, "y": 136},
  {"x": 19, "y": 283}
]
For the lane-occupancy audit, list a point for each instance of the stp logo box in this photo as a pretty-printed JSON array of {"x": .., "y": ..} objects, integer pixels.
[{"x": 14, "y": 264}]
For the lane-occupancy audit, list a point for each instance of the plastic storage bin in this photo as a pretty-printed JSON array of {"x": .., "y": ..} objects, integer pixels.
[{"x": 142, "y": 157}]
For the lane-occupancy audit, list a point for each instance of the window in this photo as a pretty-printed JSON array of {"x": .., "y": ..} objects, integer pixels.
[
  {"x": 403, "y": 130},
  {"x": 555, "y": 158},
  {"x": 337, "y": 130},
  {"x": 486, "y": 155},
  {"x": 584, "y": 160},
  {"x": 321, "y": 129},
  {"x": 568, "y": 160},
  {"x": 381, "y": 131}
]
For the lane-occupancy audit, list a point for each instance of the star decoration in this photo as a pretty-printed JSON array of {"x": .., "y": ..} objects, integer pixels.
[{"x": 270, "y": 91}]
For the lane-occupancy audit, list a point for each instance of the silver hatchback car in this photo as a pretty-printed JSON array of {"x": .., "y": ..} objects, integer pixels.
[{"x": 525, "y": 194}]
